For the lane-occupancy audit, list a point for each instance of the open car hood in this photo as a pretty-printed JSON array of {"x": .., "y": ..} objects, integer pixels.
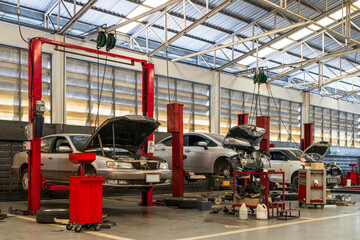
[
  {"x": 247, "y": 132},
  {"x": 131, "y": 131},
  {"x": 318, "y": 149}
]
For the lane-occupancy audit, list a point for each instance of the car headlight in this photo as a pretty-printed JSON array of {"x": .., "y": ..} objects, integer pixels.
[
  {"x": 164, "y": 165},
  {"x": 123, "y": 165}
]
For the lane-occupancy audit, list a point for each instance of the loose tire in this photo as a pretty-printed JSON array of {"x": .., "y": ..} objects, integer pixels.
[
  {"x": 172, "y": 202},
  {"x": 49, "y": 215},
  {"x": 188, "y": 203}
]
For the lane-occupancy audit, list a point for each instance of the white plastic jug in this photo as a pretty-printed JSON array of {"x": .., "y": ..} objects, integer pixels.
[
  {"x": 348, "y": 182},
  {"x": 243, "y": 212},
  {"x": 261, "y": 212}
]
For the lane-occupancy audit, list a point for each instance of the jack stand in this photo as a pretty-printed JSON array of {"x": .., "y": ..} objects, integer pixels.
[
  {"x": 264, "y": 122},
  {"x": 147, "y": 197}
]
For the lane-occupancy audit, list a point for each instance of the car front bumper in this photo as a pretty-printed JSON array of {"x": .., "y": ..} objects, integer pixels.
[{"x": 137, "y": 178}]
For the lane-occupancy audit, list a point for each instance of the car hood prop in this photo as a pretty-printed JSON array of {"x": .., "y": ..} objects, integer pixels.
[
  {"x": 246, "y": 132},
  {"x": 128, "y": 132}
]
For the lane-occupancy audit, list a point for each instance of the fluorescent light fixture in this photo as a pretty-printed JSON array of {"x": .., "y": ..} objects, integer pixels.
[
  {"x": 282, "y": 43},
  {"x": 301, "y": 34},
  {"x": 247, "y": 61},
  {"x": 154, "y": 3},
  {"x": 265, "y": 51}
]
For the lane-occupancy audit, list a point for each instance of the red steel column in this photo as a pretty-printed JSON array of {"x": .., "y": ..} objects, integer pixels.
[
  {"x": 148, "y": 110},
  {"x": 35, "y": 93},
  {"x": 308, "y": 134},
  {"x": 243, "y": 118},
  {"x": 264, "y": 122},
  {"x": 175, "y": 126}
]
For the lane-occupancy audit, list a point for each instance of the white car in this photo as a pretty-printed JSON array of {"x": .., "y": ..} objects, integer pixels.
[
  {"x": 208, "y": 153},
  {"x": 289, "y": 161}
]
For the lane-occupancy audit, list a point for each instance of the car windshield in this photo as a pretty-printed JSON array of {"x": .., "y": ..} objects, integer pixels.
[
  {"x": 296, "y": 153},
  {"x": 79, "y": 141},
  {"x": 217, "y": 137}
]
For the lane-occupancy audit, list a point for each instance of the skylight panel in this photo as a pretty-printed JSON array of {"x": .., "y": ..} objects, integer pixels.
[
  {"x": 154, "y": 3},
  {"x": 247, "y": 61},
  {"x": 325, "y": 21},
  {"x": 265, "y": 51},
  {"x": 301, "y": 34},
  {"x": 282, "y": 43},
  {"x": 128, "y": 27},
  {"x": 137, "y": 11}
]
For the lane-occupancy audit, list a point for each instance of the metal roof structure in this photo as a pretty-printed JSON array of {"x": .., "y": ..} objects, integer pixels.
[{"x": 309, "y": 45}]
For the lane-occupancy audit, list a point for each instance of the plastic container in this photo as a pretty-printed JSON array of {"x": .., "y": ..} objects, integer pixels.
[
  {"x": 243, "y": 212},
  {"x": 261, "y": 212},
  {"x": 348, "y": 182}
]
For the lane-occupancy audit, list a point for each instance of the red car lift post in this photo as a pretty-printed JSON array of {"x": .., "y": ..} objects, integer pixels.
[
  {"x": 243, "y": 118},
  {"x": 175, "y": 126},
  {"x": 35, "y": 94},
  {"x": 308, "y": 136},
  {"x": 264, "y": 122}
]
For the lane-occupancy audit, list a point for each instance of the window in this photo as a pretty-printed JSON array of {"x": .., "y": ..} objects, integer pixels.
[
  {"x": 167, "y": 142},
  {"x": 278, "y": 156},
  {"x": 195, "y": 139},
  {"x": 60, "y": 142},
  {"x": 46, "y": 144},
  {"x": 79, "y": 141},
  {"x": 14, "y": 84}
]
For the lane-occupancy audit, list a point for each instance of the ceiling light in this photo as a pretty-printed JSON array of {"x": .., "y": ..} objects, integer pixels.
[{"x": 282, "y": 43}]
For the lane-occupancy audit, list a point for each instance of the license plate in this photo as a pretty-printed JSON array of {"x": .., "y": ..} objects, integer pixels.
[{"x": 152, "y": 178}]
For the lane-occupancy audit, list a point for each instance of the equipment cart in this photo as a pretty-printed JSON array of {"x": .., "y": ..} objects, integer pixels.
[{"x": 312, "y": 187}]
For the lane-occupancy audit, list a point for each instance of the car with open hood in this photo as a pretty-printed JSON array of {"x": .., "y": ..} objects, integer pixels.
[
  {"x": 208, "y": 153},
  {"x": 117, "y": 144},
  {"x": 290, "y": 160}
]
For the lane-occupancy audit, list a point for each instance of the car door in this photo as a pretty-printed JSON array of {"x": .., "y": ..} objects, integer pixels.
[
  {"x": 163, "y": 150},
  {"x": 58, "y": 164},
  {"x": 46, "y": 144},
  {"x": 198, "y": 158},
  {"x": 281, "y": 161}
]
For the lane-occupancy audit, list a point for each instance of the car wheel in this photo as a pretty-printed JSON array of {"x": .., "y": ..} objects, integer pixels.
[
  {"x": 49, "y": 215},
  {"x": 188, "y": 203},
  {"x": 295, "y": 182},
  {"x": 25, "y": 180},
  {"x": 223, "y": 169}
]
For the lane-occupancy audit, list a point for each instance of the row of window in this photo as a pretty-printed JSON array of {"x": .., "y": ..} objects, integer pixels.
[{"x": 285, "y": 128}]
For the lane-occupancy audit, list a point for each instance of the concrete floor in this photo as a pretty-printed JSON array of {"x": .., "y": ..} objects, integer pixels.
[{"x": 136, "y": 222}]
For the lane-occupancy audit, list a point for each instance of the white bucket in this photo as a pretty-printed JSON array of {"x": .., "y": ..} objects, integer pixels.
[
  {"x": 261, "y": 212},
  {"x": 243, "y": 212},
  {"x": 348, "y": 182}
]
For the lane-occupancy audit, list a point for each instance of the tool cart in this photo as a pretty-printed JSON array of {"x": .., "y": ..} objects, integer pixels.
[{"x": 312, "y": 187}]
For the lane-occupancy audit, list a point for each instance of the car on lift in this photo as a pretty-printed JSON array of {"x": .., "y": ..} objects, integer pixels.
[
  {"x": 290, "y": 160},
  {"x": 215, "y": 154},
  {"x": 117, "y": 144}
]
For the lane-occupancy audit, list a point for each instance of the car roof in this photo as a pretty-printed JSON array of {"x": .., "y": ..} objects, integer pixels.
[
  {"x": 283, "y": 148},
  {"x": 67, "y": 134}
]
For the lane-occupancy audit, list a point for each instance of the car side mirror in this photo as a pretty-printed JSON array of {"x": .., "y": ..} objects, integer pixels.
[
  {"x": 64, "y": 149},
  {"x": 203, "y": 144}
]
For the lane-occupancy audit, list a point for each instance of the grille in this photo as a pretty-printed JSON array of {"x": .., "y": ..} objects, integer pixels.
[{"x": 148, "y": 166}]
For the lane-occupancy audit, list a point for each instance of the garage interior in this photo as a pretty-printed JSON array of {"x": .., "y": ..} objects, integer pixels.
[{"x": 179, "y": 119}]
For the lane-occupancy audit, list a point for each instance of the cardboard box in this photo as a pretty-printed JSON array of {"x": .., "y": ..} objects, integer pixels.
[
  {"x": 247, "y": 201},
  {"x": 317, "y": 166}
]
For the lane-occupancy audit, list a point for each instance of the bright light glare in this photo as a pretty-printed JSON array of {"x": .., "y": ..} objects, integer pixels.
[
  {"x": 265, "y": 51},
  {"x": 154, "y": 3},
  {"x": 301, "y": 34},
  {"x": 282, "y": 43},
  {"x": 247, "y": 61}
]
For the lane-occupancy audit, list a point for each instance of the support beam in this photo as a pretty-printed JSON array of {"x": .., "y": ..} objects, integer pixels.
[
  {"x": 192, "y": 26},
  {"x": 49, "y": 11},
  {"x": 147, "y": 13},
  {"x": 243, "y": 40},
  {"x": 334, "y": 79},
  {"x": 277, "y": 39},
  {"x": 77, "y": 16}
]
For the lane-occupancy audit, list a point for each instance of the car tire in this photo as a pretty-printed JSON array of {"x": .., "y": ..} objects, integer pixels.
[
  {"x": 49, "y": 215},
  {"x": 295, "y": 181},
  {"x": 188, "y": 203},
  {"x": 223, "y": 169},
  {"x": 25, "y": 180}
]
